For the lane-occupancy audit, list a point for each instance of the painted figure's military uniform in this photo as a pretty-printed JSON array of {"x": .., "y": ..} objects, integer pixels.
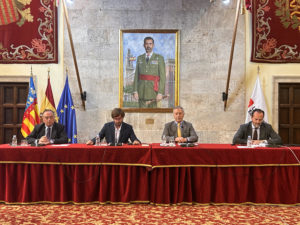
[{"x": 149, "y": 79}]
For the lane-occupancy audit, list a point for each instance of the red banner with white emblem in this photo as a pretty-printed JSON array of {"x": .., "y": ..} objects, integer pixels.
[
  {"x": 276, "y": 31},
  {"x": 28, "y": 31}
]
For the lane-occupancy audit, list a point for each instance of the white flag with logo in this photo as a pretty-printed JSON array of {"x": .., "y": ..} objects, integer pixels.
[{"x": 257, "y": 101}]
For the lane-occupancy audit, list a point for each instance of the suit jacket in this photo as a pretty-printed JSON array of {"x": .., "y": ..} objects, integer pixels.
[
  {"x": 187, "y": 130},
  {"x": 108, "y": 132},
  {"x": 58, "y": 134},
  {"x": 266, "y": 133}
]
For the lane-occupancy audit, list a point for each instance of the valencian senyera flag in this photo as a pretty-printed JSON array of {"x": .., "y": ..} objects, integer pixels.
[
  {"x": 31, "y": 114},
  {"x": 48, "y": 100},
  {"x": 66, "y": 113}
]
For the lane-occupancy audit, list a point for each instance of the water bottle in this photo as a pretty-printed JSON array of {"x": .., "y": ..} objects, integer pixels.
[
  {"x": 249, "y": 141},
  {"x": 14, "y": 141},
  {"x": 97, "y": 143}
]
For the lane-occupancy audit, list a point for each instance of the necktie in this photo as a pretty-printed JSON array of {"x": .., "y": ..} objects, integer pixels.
[
  {"x": 48, "y": 133},
  {"x": 147, "y": 59},
  {"x": 255, "y": 134},
  {"x": 178, "y": 130}
]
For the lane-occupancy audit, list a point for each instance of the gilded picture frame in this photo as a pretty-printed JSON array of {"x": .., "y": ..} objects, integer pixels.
[{"x": 149, "y": 83}]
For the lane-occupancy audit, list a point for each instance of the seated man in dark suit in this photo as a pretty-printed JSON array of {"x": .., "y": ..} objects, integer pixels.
[
  {"x": 48, "y": 132},
  {"x": 116, "y": 131},
  {"x": 258, "y": 130},
  {"x": 181, "y": 130}
]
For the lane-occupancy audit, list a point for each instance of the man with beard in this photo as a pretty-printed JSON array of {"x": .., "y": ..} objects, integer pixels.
[
  {"x": 150, "y": 77},
  {"x": 117, "y": 131},
  {"x": 258, "y": 130}
]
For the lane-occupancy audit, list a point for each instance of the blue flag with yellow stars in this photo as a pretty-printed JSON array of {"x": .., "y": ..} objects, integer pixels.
[{"x": 66, "y": 113}]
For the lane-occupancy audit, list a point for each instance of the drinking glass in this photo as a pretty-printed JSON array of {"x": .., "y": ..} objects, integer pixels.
[
  {"x": 24, "y": 142},
  {"x": 172, "y": 141},
  {"x": 164, "y": 140},
  {"x": 103, "y": 142}
]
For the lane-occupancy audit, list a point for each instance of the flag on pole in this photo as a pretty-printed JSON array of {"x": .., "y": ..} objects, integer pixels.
[
  {"x": 257, "y": 101},
  {"x": 66, "y": 113},
  {"x": 31, "y": 115},
  {"x": 48, "y": 100}
]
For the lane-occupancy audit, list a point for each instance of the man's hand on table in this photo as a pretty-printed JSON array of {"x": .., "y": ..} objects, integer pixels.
[
  {"x": 257, "y": 142},
  {"x": 44, "y": 141},
  {"x": 181, "y": 139},
  {"x": 89, "y": 142},
  {"x": 136, "y": 142}
]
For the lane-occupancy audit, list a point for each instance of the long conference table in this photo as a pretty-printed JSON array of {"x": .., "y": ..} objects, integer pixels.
[{"x": 204, "y": 174}]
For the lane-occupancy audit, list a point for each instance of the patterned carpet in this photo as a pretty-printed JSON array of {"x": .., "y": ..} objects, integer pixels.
[{"x": 147, "y": 214}]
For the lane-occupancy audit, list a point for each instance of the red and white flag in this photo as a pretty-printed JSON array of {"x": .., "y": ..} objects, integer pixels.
[
  {"x": 48, "y": 100},
  {"x": 257, "y": 101}
]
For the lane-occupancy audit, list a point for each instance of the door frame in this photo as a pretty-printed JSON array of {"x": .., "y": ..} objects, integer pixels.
[
  {"x": 15, "y": 79},
  {"x": 275, "y": 109}
]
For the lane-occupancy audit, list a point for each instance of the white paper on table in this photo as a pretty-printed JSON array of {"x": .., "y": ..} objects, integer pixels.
[
  {"x": 252, "y": 146},
  {"x": 164, "y": 145},
  {"x": 61, "y": 145},
  {"x": 242, "y": 146}
]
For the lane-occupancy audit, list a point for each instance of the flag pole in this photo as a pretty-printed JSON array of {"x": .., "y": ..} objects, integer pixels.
[
  {"x": 225, "y": 94},
  {"x": 82, "y": 94},
  {"x": 242, "y": 7}
]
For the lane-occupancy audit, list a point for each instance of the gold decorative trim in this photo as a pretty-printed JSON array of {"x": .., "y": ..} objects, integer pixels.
[
  {"x": 66, "y": 163},
  {"x": 144, "y": 165},
  {"x": 147, "y": 202},
  {"x": 75, "y": 203},
  {"x": 223, "y": 204},
  {"x": 233, "y": 165}
]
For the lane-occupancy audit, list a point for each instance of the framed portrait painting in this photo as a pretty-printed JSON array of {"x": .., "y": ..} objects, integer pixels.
[{"x": 148, "y": 70}]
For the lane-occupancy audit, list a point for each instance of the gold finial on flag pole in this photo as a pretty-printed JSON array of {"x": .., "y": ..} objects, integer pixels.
[
  {"x": 31, "y": 71},
  {"x": 48, "y": 72},
  {"x": 258, "y": 69},
  {"x": 242, "y": 8}
]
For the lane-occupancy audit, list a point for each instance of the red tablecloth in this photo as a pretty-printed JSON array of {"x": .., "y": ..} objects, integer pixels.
[
  {"x": 207, "y": 173},
  {"x": 220, "y": 173},
  {"x": 212, "y": 155},
  {"x": 75, "y": 173},
  {"x": 77, "y": 154}
]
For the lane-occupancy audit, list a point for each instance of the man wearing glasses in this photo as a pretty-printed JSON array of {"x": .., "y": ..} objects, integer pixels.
[{"x": 48, "y": 132}]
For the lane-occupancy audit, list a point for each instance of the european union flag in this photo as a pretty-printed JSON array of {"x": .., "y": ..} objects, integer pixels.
[{"x": 66, "y": 113}]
